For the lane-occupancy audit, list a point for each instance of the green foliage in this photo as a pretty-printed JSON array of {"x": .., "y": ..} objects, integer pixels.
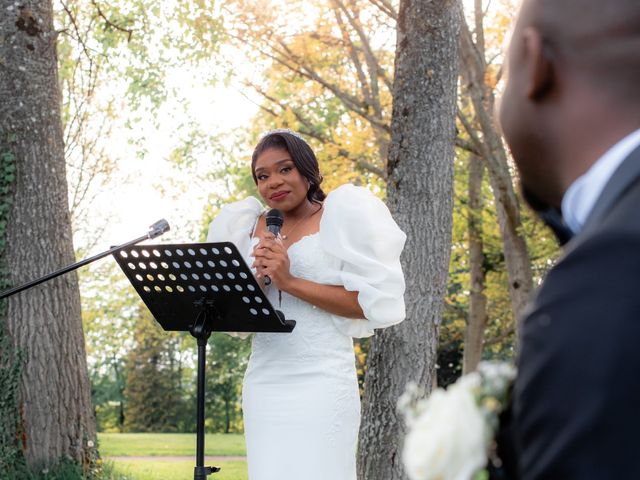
[
  {"x": 7, "y": 177},
  {"x": 138, "y": 41},
  {"x": 227, "y": 360},
  {"x": 499, "y": 333},
  {"x": 319, "y": 79},
  {"x": 169, "y": 444},
  {"x": 172, "y": 444},
  {"x": 153, "y": 390},
  {"x": 143, "y": 378},
  {"x": 152, "y": 469},
  {"x": 64, "y": 470},
  {"x": 109, "y": 313},
  {"x": 500, "y": 329},
  {"x": 11, "y": 458}
]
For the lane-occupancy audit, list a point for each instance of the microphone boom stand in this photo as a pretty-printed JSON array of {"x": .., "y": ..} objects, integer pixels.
[{"x": 155, "y": 230}]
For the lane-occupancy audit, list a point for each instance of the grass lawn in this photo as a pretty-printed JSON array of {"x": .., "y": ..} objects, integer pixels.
[
  {"x": 155, "y": 444},
  {"x": 177, "y": 470},
  {"x": 171, "y": 444}
]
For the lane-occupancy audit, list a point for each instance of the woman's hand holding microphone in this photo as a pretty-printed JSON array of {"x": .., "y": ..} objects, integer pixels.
[{"x": 272, "y": 260}]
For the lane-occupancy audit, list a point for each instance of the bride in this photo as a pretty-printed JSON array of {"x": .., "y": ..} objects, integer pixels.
[{"x": 335, "y": 269}]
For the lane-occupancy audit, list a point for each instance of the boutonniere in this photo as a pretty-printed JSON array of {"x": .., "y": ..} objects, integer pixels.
[{"x": 450, "y": 434}]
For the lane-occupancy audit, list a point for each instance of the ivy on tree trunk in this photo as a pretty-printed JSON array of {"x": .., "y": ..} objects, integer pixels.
[{"x": 44, "y": 323}]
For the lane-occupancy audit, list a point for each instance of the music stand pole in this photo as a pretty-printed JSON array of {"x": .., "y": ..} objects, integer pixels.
[
  {"x": 201, "y": 331},
  {"x": 200, "y": 288}
]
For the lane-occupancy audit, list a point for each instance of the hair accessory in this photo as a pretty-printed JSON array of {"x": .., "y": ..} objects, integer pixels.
[{"x": 282, "y": 130}]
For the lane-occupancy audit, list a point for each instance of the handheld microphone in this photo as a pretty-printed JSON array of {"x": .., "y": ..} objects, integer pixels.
[{"x": 274, "y": 220}]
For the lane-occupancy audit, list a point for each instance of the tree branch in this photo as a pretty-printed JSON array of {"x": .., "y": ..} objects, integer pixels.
[
  {"x": 375, "y": 69},
  {"x": 352, "y": 103},
  {"x": 110, "y": 23},
  {"x": 353, "y": 54},
  {"x": 385, "y": 7}
]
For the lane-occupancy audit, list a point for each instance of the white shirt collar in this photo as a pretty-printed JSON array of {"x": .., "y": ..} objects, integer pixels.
[{"x": 581, "y": 196}]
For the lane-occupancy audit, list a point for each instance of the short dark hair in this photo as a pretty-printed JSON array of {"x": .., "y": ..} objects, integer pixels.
[
  {"x": 600, "y": 38},
  {"x": 301, "y": 154}
]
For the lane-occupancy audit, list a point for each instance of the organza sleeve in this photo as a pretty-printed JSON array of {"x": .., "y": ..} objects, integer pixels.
[
  {"x": 357, "y": 229},
  {"x": 234, "y": 223}
]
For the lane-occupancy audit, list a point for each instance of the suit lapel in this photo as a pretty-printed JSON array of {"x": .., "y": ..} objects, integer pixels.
[{"x": 625, "y": 176}]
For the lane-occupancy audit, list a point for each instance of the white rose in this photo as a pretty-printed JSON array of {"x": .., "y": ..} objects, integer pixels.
[{"x": 449, "y": 439}]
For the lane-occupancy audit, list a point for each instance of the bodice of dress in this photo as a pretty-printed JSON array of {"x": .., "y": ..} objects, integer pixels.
[
  {"x": 315, "y": 345},
  {"x": 358, "y": 246}
]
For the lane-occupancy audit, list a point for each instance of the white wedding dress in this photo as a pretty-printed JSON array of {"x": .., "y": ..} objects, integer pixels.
[{"x": 301, "y": 402}]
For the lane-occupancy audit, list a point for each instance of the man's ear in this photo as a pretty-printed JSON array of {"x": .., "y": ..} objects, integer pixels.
[{"x": 540, "y": 72}]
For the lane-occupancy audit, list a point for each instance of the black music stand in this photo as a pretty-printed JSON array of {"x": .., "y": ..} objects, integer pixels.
[{"x": 200, "y": 288}]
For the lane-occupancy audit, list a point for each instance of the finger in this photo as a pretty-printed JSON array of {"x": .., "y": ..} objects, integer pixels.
[
  {"x": 268, "y": 243},
  {"x": 275, "y": 246},
  {"x": 265, "y": 244},
  {"x": 264, "y": 253},
  {"x": 267, "y": 235}
]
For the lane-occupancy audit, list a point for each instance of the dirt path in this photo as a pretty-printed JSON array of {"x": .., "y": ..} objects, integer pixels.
[{"x": 175, "y": 458}]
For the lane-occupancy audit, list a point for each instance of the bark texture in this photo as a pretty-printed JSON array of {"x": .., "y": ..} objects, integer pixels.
[
  {"x": 44, "y": 322},
  {"x": 477, "y": 318},
  {"x": 420, "y": 174}
]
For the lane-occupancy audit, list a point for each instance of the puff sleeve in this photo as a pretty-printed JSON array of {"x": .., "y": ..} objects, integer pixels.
[
  {"x": 234, "y": 223},
  {"x": 357, "y": 229}
]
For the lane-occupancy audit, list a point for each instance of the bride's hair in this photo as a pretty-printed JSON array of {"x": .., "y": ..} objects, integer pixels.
[{"x": 301, "y": 154}]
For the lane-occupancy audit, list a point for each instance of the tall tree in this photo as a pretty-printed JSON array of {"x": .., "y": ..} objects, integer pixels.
[
  {"x": 227, "y": 360},
  {"x": 44, "y": 323},
  {"x": 330, "y": 76},
  {"x": 477, "y": 317},
  {"x": 419, "y": 192},
  {"x": 153, "y": 393},
  {"x": 480, "y": 78}
]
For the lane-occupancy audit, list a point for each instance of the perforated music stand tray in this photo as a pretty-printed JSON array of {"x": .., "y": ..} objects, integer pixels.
[
  {"x": 173, "y": 279},
  {"x": 200, "y": 288}
]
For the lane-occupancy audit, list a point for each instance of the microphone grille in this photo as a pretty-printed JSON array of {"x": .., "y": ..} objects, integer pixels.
[{"x": 274, "y": 217}]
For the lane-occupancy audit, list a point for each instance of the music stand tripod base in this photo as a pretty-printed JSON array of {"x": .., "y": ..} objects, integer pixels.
[{"x": 200, "y": 288}]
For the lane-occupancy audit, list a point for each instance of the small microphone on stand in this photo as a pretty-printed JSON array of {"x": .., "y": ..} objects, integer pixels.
[
  {"x": 274, "y": 220},
  {"x": 158, "y": 228}
]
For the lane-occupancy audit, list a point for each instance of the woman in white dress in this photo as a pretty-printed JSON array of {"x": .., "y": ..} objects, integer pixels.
[{"x": 336, "y": 271}]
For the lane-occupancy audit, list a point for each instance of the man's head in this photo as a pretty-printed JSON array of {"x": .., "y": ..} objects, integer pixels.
[{"x": 573, "y": 88}]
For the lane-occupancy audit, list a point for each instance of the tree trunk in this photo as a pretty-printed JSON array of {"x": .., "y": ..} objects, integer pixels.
[
  {"x": 420, "y": 173},
  {"x": 477, "y": 318},
  {"x": 492, "y": 151},
  {"x": 44, "y": 322},
  {"x": 516, "y": 254}
]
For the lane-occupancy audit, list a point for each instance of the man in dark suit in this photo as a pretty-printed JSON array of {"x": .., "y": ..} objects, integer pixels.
[{"x": 571, "y": 116}]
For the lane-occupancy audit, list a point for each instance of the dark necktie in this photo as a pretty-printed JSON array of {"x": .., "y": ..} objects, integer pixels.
[{"x": 553, "y": 219}]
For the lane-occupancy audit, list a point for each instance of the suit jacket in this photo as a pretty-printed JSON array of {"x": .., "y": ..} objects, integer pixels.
[{"x": 576, "y": 400}]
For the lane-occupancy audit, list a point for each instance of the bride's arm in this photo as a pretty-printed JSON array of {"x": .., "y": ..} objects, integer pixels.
[
  {"x": 332, "y": 298},
  {"x": 272, "y": 259}
]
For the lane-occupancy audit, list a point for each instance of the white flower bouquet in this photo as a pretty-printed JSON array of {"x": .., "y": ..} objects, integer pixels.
[{"x": 450, "y": 433}]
